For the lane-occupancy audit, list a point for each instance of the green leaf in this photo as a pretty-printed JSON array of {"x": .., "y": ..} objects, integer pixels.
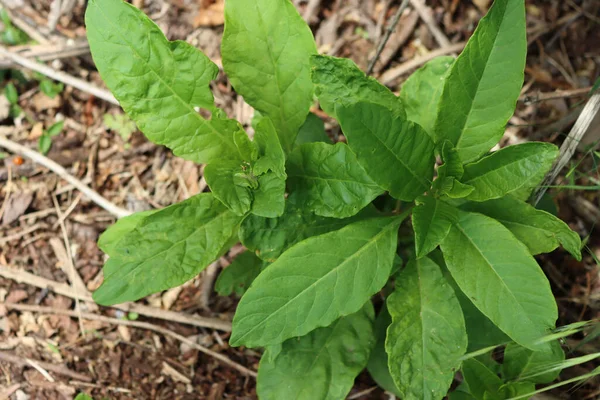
[
  {"x": 514, "y": 169},
  {"x": 484, "y": 83},
  {"x": 238, "y": 276},
  {"x": 10, "y": 91},
  {"x": 55, "y": 129},
  {"x": 432, "y": 219},
  {"x": 121, "y": 124},
  {"x": 270, "y": 237},
  {"x": 540, "y": 231},
  {"x": 300, "y": 292},
  {"x": 339, "y": 82},
  {"x": 321, "y": 365},
  {"x": 108, "y": 241},
  {"x": 328, "y": 180},
  {"x": 158, "y": 83},
  {"x": 165, "y": 248},
  {"x": 500, "y": 277},
  {"x": 83, "y": 396},
  {"x": 480, "y": 379},
  {"x": 266, "y": 50},
  {"x": 421, "y": 92},
  {"x": 520, "y": 362},
  {"x": 232, "y": 184},
  {"x": 396, "y": 153},
  {"x": 378, "y": 361},
  {"x": 312, "y": 131},
  {"x": 50, "y": 88},
  {"x": 44, "y": 143}
]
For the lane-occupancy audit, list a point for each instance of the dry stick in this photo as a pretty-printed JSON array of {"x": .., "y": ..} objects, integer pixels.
[
  {"x": 135, "y": 324},
  {"x": 46, "y": 52},
  {"x": 428, "y": 19},
  {"x": 570, "y": 145},
  {"x": 394, "y": 73},
  {"x": 61, "y": 172},
  {"x": 559, "y": 94},
  {"x": 60, "y": 76},
  {"x": 18, "y": 275},
  {"x": 310, "y": 10},
  {"x": 390, "y": 29},
  {"x": 57, "y": 369}
]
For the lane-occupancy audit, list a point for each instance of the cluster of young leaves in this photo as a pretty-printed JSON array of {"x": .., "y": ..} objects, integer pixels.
[{"x": 317, "y": 250}]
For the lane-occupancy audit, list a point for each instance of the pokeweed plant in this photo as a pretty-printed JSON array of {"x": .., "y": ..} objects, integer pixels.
[{"x": 321, "y": 252}]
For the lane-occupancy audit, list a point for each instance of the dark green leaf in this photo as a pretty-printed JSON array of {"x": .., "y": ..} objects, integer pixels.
[
  {"x": 523, "y": 364},
  {"x": 321, "y": 365},
  {"x": 165, "y": 248},
  {"x": 427, "y": 336},
  {"x": 300, "y": 292},
  {"x": 484, "y": 83},
  {"x": 432, "y": 219},
  {"x": 312, "y": 131},
  {"x": 328, "y": 180},
  {"x": 266, "y": 50},
  {"x": 378, "y": 361},
  {"x": 396, "y": 153},
  {"x": 238, "y": 276},
  {"x": 480, "y": 379}
]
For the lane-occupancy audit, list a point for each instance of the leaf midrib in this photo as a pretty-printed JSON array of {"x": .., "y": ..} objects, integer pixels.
[{"x": 502, "y": 167}]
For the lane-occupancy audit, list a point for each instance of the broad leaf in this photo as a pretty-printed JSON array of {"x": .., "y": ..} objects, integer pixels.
[
  {"x": 166, "y": 249},
  {"x": 339, "y": 81},
  {"x": 484, "y": 83},
  {"x": 312, "y": 131},
  {"x": 300, "y": 292},
  {"x": 269, "y": 200},
  {"x": 378, "y": 362},
  {"x": 432, "y": 219},
  {"x": 270, "y": 237},
  {"x": 321, "y": 365},
  {"x": 523, "y": 364},
  {"x": 500, "y": 277},
  {"x": 480, "y": 379},
  {"x": 327, "y": 180},
  {"x": 158, "y": 83},
  {"x": 237, "y": 277},
  {"x": 230, "y": 182},
  {"x": 540, "y": 231},
  {"x": 109, "y": 240},
  {"x": 514, "y": 169},
  {"x": 266, "y": 50},
  {"x": 427, "y": 336},
  {"x": 421, "y": 92},
  {"x": 396, "y": 153}
]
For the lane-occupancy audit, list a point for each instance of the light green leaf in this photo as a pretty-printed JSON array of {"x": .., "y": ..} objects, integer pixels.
[
  {"x": 378, "y": 361},
  {"x": 432, "y": 219},
  {"x": 270, "y": 237},
  {"x": 238, "y": 276},
  {"x": 321, "y": 365},
  {"x": 55, "y": 129},
  {"x": 427, "y": 336},
  {"x": 312, "y": 131},
  {"x": 484, "y": 83},
  {"x": 480, "y": 379},
  {"x": 520, "y": 362},
  {"x": 44, "y": 143},
  {"x": 269, "y": 200},
  {"x": 500, "y": 277},
  {"x": 339, "y": 82},
  {"x": 166, "y": 248},
  {"x": 231, "y": 184},
  {"x": 396, "y": 153},
  {"x": 108, "y": 241},
  {"x": 266, "y": 50},
  {"x": 328, "y": 180},
  {"x": 300, "y": 292},
  {"x": 421, "y": 92},
  {"x": 540, "y": 231},
  {"x": 158, "y": 83},
  {"x": 514, "y": 169}
]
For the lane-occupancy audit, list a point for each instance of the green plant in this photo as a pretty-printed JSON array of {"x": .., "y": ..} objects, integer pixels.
[
  {"x": 45, "y": 141},
  {"x": 318, "y": 256}
]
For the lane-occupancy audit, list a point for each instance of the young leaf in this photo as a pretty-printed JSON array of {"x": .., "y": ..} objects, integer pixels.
[
  {"x": 500, "y": 277},
  {"x": 484, "y": 83},
  {"x": 313, "y": 130},
  {"x": 421, "y": 92},
  {"x": 396, "y": 153},
  {"x": 299, "y": 292},
  {"x": 327, "y": 180},
  {"x": 270, "y": 237},
  {"x": 432, "y": 219},
  {"x": 540, "y": 231},
  {"x": 480, "y": 379},
  {"x": 520, "y": 362},
  {"x": 266, "y": 50},
  {"x": 427, "y": 336},
  {"x": 44, "y": 143},
  {"x": 320, "y": 365},
  {"x": 158, "y": 83},
  {"x": 238, "y": 276},
  {"x": 378, "y": 361},
  {"x": 231, "y": 184},
  {"x": 165, "y": 248},
  {"x": 514, "y": 169},
  {"x": 55, "y": 129},
  {"x": 339, "y": 81}
]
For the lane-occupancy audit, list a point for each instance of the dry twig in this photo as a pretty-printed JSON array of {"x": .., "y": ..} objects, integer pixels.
[
  {"x": 57, "y": 369},
  {"x": 435, "y": 30}
]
